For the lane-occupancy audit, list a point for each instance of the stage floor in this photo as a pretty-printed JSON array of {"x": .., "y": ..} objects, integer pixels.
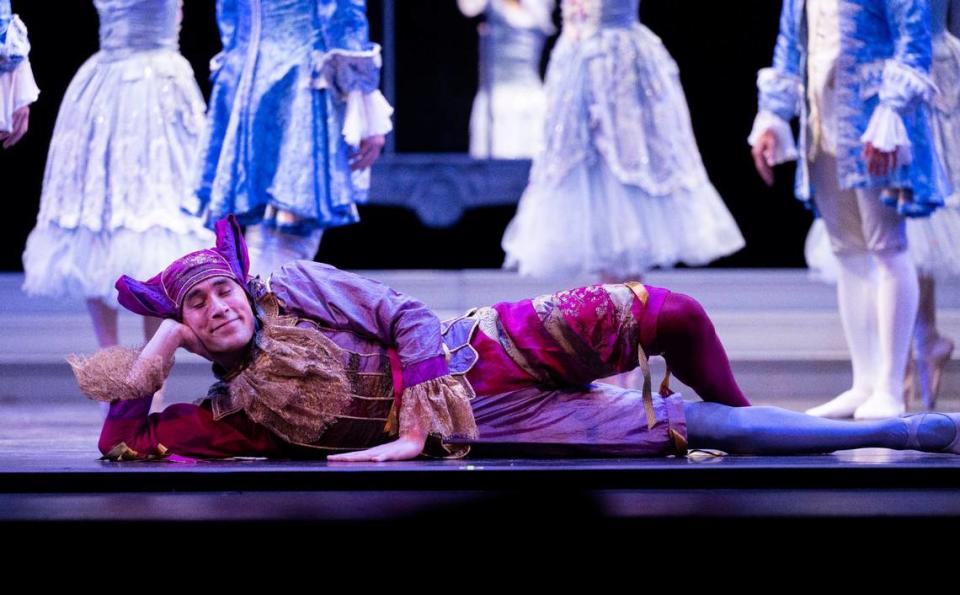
[
  {"x": 786, "y": 349},
  {"x": 49, "y": 471}
]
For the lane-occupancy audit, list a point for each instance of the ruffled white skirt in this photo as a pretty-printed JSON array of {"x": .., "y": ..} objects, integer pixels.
[
  {"x": 593, "y": 224},
  {"x": 619, "y": 187},
  {"x": 121, "y": 161}
]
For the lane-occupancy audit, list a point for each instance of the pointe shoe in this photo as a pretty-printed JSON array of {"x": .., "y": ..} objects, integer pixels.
[
  {"x": 915, "y": 421},
  {"x": 880, "y": 406},
  {"x": 930, "y": 367},
  {"x": 841, "y": 406},
  {"x": 954, "y": 447}
]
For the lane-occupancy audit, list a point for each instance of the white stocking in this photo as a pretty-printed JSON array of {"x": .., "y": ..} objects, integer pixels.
[
  {"x": 856, "y": 291},
  {"x": 897, "y": 296},
  {"x": 270, "y": 249}
]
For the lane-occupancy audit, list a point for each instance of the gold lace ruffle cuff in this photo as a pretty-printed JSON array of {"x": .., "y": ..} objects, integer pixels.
[
  {"x": 440, "y": 407},
  {"x": 118, "y": 373}
]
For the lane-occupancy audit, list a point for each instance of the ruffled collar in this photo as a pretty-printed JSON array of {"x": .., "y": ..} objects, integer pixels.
[{"x": 294, "y": 382}]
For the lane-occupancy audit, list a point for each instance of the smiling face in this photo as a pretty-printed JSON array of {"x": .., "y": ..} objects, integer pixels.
[{"x": 218, "y": 312}]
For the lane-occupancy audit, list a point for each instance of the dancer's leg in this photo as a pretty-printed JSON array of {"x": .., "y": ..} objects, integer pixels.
[
  {"x": 858, "y": 315},
  {"x": 885, "y": 234},
  {"x": 861, "y": 231},
  {"x": 104, "y": 320},
  {"x": 897, "y": 295},
  {"x": 771, "y": 430},
  {"x": 688, "y": 342},
  {"x": 931, "y": 349},
  {"x": 270, "y": 249}
]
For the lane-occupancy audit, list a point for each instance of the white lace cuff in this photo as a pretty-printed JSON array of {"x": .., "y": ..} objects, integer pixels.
[
  {"x": 786, "y": 146},
  {"x": 887, "y": 133},
  {"x": 367, "y": 114},
  {"x": 17, "y": 89},
  {"x": 25, "y": 90}
]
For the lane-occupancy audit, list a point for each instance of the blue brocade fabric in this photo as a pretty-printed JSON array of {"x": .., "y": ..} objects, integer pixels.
[
  {"x": 885, "y": 49},
  {"x": 276, "y": 113},
  {"x": 14, "y": 46}
]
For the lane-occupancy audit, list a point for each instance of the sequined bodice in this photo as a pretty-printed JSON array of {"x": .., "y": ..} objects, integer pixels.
[
  {"x": 511, "y": 53},
  {"x": 129, "y": 26}
]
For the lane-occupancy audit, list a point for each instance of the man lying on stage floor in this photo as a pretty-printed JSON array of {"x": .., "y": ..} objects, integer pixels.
[{"x": 316, "y": 361}]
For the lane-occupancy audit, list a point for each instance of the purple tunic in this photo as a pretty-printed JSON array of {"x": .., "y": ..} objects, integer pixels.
[
  {"x": 549, "y": 404},
  {"x": 528, "y": 366}
]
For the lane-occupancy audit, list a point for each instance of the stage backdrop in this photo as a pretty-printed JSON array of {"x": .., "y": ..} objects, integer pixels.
[{"x": 718, "y": 46}]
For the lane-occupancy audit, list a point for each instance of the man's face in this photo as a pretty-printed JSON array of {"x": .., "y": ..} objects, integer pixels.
[{"x": 218, "y": 312}]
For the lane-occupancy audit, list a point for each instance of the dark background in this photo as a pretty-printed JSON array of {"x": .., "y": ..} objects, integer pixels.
[{"x": 718, "y": 46}]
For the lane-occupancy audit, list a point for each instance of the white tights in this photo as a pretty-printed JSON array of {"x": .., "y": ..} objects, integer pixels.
[
  {"x": 878, "y": 296},
  {"x": 269, "y": 248}
]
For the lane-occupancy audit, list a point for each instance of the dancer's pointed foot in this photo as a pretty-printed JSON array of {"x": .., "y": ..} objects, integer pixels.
[
  {"x": 841, "y": 406},
  {"x": 930, "y": 431}
]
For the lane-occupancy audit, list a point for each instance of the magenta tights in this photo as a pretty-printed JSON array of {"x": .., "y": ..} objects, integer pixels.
[{"x": 688, "y": 342}]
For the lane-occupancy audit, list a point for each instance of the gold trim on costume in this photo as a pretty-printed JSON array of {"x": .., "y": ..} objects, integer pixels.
[{"x": 640, "y": 290}]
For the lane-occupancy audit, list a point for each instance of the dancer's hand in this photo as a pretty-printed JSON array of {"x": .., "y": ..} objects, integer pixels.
[
  {"x": 368, "y": 152},
  {"x": 763, "y": 152},
  {"x": 190, "y": 341},
  {"x": 879, "y": 163},
  {"x": 160, "y": 348},
  {"x": 407, "y": 446},
  {"x": 21, "y": 122}
]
